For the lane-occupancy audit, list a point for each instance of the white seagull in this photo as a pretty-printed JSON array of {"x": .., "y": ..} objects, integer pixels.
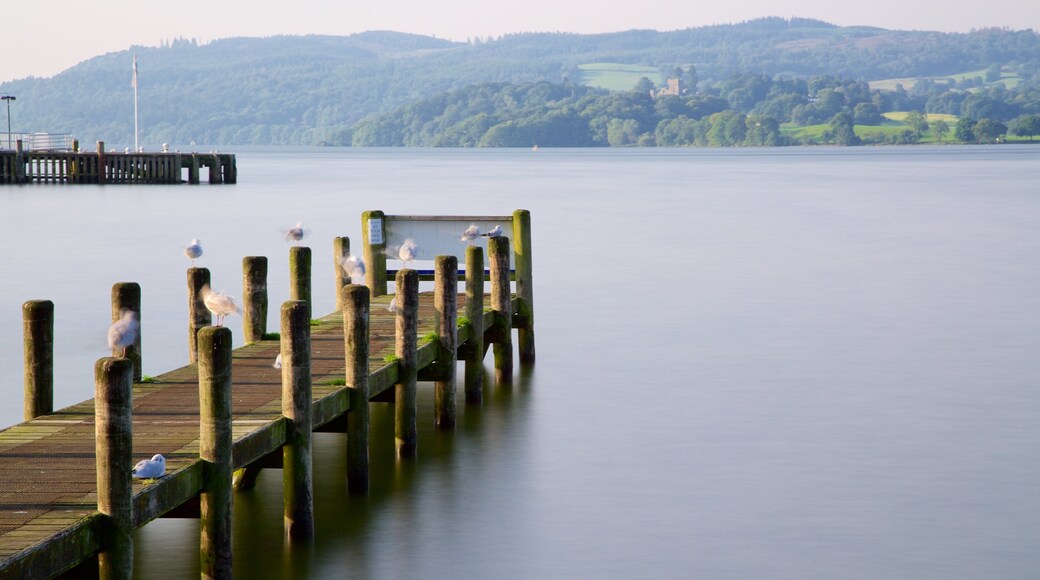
[
  {"x": 278, "y": 361},
  {"x": 393, "y": 305},
  {"x": 123, "y": 332},
  {"x": 219, "y": 304},
  {"x": 150, "y": 468},
  {"x": 354, "y": 266},
  {"x": 493, "y": 232},
  {"x": 295, "y": 234},
  {"x": 471, "y": 233},
  {"x": 408, "y": 251},
  {"x": 193, "y": 251}
]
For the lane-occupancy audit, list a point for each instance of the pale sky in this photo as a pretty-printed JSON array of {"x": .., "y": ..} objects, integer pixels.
[{"x": 45, "y": 39}]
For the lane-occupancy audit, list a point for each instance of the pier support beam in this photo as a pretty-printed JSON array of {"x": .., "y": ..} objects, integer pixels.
[
  {"x": 113, "y": 432},
  {"x": 474, "y": 351},
  {"x": 445, "y": 302},
  {"x": 38, "y": 337},
  {"x": 254, "y": 298},
  {"x": 524, "y": 285},
  {"x": 127, "y": 296},
  {"x": 215, "y": 449},
  {"x": 405, "y": 413},
  {"x": 340, "y": 251},
  {"x": 296, "y": 406},
  {"x": 300, "y": 273},
  {"x": 501, "y": 309},
  {"x": 198, "y": 316},
  {"x": 356, "y": 302}
]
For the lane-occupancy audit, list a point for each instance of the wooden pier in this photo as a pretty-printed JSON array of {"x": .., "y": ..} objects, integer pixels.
[
  {"x": 103, "y": 167},
  {"x": 65, "y": 489}
]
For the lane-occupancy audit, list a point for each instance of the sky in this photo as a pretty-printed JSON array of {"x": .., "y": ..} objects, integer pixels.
[{"x": 62, "y": 33}]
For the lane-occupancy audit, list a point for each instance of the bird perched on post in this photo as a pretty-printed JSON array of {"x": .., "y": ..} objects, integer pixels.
[
  {"x": 408, "y": 251},
  {"x": 193, "y": 251},
  {"x": 354, "y": 266},
  {"x": 493, "y": 232},
  {"x": 150, "y": 468},
  {"x": 471, "y": 233},
  {"x": 219, "y": 304},
  {"x": 123, "y": 332},
  {"x": 295, "y": 234}
]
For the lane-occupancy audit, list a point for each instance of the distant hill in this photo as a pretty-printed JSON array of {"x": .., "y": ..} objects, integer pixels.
[{"x": 303, "y": 90}]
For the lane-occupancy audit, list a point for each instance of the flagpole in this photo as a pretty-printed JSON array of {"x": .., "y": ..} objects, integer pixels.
[{"x": 135, "y": 102}]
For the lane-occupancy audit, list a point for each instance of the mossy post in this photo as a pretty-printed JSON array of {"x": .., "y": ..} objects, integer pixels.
[
  {"x": 501, "y": 309},
  {"x": 407, "y": 321},
  {"x": 356, "y": 302},
  {"x": 524, "y": 285},
  {"x": 373, "y": 240},
  {"x": 297, "y": 488},
  {"x": 38, "y": 340},
  {"x": 102, "y": 162},
  {"x": 215, "y": 450},
  {"x": 113, "y": 433},
  {"x": 446, "y": 304},
  {"x": 340, "y": 250},
  {"x": 254, "y": 298},
  {"x": 198, "y": 316},
  {"x": 474, "y": 351},
  {"x": 300, "y": 273},
  {"x": 127, "y": 296}
]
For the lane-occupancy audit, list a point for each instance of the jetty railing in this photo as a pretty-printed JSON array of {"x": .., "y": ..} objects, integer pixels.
[{"x": 230, "y": 414}]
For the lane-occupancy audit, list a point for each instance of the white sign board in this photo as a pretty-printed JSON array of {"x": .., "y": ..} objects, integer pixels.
[
  {"x": 375, "y": 231},
  {"x": 441, "y": 236}
]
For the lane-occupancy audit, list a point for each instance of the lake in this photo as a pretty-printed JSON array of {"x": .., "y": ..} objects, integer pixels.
[{"x": 753, "y": 363}]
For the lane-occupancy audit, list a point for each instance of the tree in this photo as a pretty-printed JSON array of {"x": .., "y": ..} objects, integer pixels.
[
  {"x": 644, "y": 86},
  {"x": 988, "y": 130},
  {"x": 965, "y": 130},
  {"x": 842, "y": 129},
  {"x": 1027, "y": 126},
  {"x": 917, "y": 122},
  {"x": 940, "y": 128},
  {"x": 866, "y": 114}
]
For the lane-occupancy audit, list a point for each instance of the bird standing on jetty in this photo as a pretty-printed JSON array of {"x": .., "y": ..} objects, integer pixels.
[
  {"x": 471, "y": 233},
  {"x": 494, "y": 232},
  {"x": 123, "y": 332},
  {"x": 393, "y": 305},
  {"x": 295, "y": 234},
  {"x": 150, "y": 468},
  {"x": 193, "y": 251},
  {"x": 408, "y": 251},
  {"x": 278, "y": 361},
  {"x": 219, "y": 304},
  {"x": 354, "y": 266}
]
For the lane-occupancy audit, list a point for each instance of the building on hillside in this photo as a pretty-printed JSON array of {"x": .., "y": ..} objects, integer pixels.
[{"x": 674, "y": 87}]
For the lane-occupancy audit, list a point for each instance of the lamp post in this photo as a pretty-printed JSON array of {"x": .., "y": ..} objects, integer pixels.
[{"x": 8, "y": 98}]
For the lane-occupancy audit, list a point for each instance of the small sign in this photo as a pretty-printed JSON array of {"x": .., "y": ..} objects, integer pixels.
[{"x": 375, "y": 231}]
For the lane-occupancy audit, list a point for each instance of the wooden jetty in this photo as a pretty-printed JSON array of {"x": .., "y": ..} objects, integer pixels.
[
  {"x": 66, "y": 494},
  {"x": 103, "y": 167}
]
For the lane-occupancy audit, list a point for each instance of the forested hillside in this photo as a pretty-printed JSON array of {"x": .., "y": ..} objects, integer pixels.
[{"x": 338, "y": 90}]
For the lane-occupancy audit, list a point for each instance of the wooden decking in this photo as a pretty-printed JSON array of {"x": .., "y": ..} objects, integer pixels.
[{"x": 48, "y": 478}]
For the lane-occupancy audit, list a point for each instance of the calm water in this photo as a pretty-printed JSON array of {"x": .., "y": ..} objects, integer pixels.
[{"x": 797, "y": 363}]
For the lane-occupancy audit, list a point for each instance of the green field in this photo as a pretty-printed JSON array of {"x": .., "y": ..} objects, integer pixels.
[
  {"x": 617, "y": 77},
  {"x": 1008, "y": 79},
  {"x": 900, "y": 115}
]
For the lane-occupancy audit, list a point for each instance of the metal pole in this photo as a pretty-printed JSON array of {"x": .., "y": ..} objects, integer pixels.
[{"x": 8, "y": 98}]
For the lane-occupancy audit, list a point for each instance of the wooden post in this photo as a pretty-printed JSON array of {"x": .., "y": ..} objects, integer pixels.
[
  {"x": 38, "y": 337},
  {"x": 113, "y": 433},
  {"x": 475, "y": 314},
  {"x": 445, "y": 301},
  {"x": 340, "y": 250},
  {"x": 127, "y": 296},
  {"x": 300, "y": 273},
  {"x": 405, "y": 429},
  {"x": 193, "y": 169},
  {"x": 296, "y": 406},
  {"x": 215, "y": 449},
  {"x": 102, "y": 163},
  {"x": 373, "y": 239},
  {"x": 524, "y": 285},
  {"x": 501, "y": 309},
  {"x": 355, "y": 299},
  {"x": 198, "y": 316},
  {"x": 254, "y": 298}
]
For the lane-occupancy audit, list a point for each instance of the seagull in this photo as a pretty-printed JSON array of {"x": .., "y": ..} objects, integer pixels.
[
  {"x": 123, "y": 332},
  {"x": 354, "y": 266},
  {"x": 408, "y": 251},
  {"x": 219, "y": 304},
  {"x": 471, "y": 233},
  {"x": 295, "y": 234},
  {"x": 493, "y": 232},
  {"x": 150, "y": 468},
  {"x": 393, "y": 305},
  {"x": 194, "y": 250},
  {"x": 278, "y": 361}
]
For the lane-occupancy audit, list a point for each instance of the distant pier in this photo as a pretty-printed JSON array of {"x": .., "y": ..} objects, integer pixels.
[{"x": 100, "y": 167}]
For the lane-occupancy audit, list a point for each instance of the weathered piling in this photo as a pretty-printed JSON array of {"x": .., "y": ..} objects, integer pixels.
[
  {"x": 445, "y": 302},
  {"x": 102, "y": 161},
  {"x": 374, "y": 242},
  {"x": 198, "y": 316},
  {"x": 113, "y": 432},
  {"x": 405, "y": 412},
  {"x": 126, "y": 296},
  {"x": 501, "y": 309},
  {"x": 296, "y": 406},
  {"x": 300, "y": 273},
  {"x": 340, "y": 251},
  {"x": 215, "y": 449},
  {"x": 524, "y": 285},
  {"x": 254, "y": 298},
  {"x": 474, "y": 351},
  {"x": 38, "y": 337},
  {"x": 355, "y": 300}
]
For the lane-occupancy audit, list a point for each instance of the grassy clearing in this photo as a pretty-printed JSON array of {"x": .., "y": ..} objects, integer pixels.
[
  {"x": 617, "y": 77},
  {"x": 899, "y": 116},
  {"x": 1008, "y": 79}
]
